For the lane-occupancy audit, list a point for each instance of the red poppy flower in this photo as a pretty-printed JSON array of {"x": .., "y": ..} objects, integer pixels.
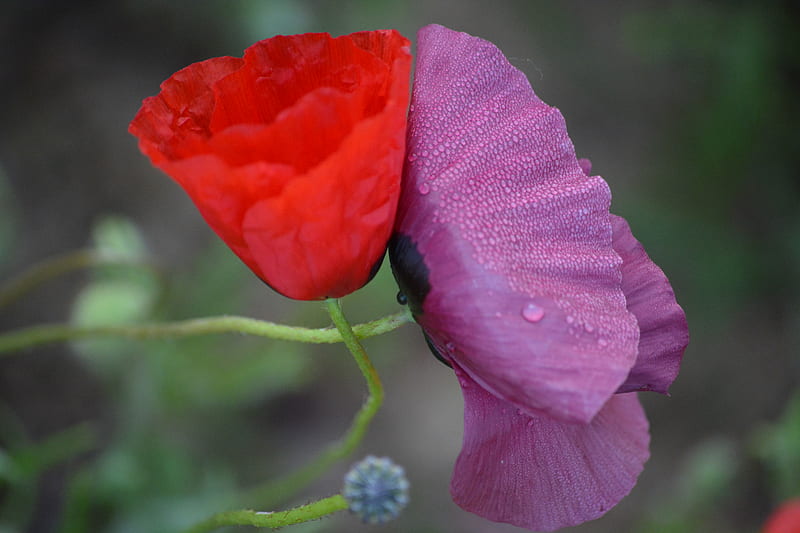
[
  {"x": 292, "y": 153},
  {"x": 785, "y": 519}
]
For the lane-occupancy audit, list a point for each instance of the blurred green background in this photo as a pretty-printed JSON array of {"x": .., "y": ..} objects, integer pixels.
[{"x": 688, "y": 109}]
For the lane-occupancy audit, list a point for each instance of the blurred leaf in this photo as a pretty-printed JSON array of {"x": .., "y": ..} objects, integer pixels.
[
  {"x": 206, "y": 373},
  {"x": 708, "y": 474},
  {"x": 107, "y": 303},
  {"x": 21, "y": 467},
  {"x": 111, "y": 302},
  {"x": 9, "y": 472},
  {"x": 211, "y": 285},
  {"x": 258, "y": 20},
  {"x": 32, "y": 460},
  {"x": 153, "y": 487},
  {"x": 118, "y": 238},
  {"x": 778, "y": 445},
  {"x": 703, "y": 485},
  {"x": 118, "y": 295}
]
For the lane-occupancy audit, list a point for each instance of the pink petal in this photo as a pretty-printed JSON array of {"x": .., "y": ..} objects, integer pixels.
[
  {"x": 586, "y": 165},
  {"x": 664, "y": 333},
  {"x": 540, "y": 474},
  {"x": 514, "y": 241}
]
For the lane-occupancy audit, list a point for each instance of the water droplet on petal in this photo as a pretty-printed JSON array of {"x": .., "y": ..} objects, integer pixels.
[
  {"x": 532, "y": 312},
  {"x": 412, "y": 157},
  {"x": 424, "y": 189},
  {"x": 588, "y": 327}
]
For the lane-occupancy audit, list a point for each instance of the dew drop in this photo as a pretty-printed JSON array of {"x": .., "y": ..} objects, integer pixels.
[
  {"x": 412, "y": 157},
  {"x": 570, "y": 319},
  {"x": 450, "y": 347},
  {"x": 588, "y": 327},
  {"x": 532, "y": 312},
  {"x": 424, "y": 189}
]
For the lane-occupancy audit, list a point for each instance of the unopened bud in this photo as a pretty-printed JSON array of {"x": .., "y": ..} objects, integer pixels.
[{"x": 376, "y": 489}]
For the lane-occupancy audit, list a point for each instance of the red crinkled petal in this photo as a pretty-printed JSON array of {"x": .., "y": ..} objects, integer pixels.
[
  {"x": 175, "y": 123},
  {"x": 292, "y": 154},
  {"x": 281, "y": 70},
  {"x": 223, "y": 194},
  {"x": 327, "y": 210},
  {"x": 541, "y": 474}
]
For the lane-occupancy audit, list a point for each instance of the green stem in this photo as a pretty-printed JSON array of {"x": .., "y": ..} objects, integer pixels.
[
  {"x": 53, "y": 267},
  {"x": 374, "y": 387},
  {"x": 50, "y": 333},
  {"x": 296, "y": 515},
  {"x": 277, "y": 490}
]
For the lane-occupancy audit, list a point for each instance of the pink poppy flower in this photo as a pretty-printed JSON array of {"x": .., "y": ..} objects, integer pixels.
[{"x": 544, "y": 303}]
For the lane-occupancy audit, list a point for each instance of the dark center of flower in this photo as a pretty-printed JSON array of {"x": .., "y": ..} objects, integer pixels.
[{"x": 410, "y": 271}]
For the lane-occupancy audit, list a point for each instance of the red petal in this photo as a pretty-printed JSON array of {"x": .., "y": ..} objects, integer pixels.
[
  {"x": 292, "y": 154},
  {"x": 281, "y": 70},
  {"x": 330, "y": 213},
  {"x": 785, "y": 519},
  {"x": 175, "y": 123}
]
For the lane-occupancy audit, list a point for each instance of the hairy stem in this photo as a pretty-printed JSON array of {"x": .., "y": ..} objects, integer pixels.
[
  {"x": 296, "y": 515},
  {"x": 53, "y": 267},
  {"x": 50, "y": 333},
  {"x": 277, "y": 490}
]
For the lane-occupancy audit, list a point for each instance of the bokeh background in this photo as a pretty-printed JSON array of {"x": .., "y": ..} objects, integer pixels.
[{"x": 688, "y": 109}]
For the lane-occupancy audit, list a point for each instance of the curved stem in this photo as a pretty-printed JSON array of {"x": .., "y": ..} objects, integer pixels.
[
  {"x": 374, "y": 387},
  {"x": 296, "y": 515},
  {"x": 50, "y": 333},
  {"x": 276, "y": 490},
  {"x": 53, "y": 267}
]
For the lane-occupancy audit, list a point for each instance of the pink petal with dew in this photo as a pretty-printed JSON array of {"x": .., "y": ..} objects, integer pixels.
[
  {"x": 541, "y": 474},
  {"x": 664, "y": 333},
  {"x": 525, "y": 286}
]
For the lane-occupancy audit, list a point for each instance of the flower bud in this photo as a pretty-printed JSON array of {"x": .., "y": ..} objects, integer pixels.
[{"x": 376, "y": 489}]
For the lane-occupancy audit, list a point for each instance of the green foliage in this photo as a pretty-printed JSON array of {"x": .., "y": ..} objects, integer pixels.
[
  {"x": 144, "y": 487},
  {"x": 192, "y": 389},
  {"x": 23, "y": 462},
  {"x": 778, "y": 446},
  {"x": 118, "y": 293},
  {"x": 716, "y": 206},
  {"x": 704, "y": 482}
]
